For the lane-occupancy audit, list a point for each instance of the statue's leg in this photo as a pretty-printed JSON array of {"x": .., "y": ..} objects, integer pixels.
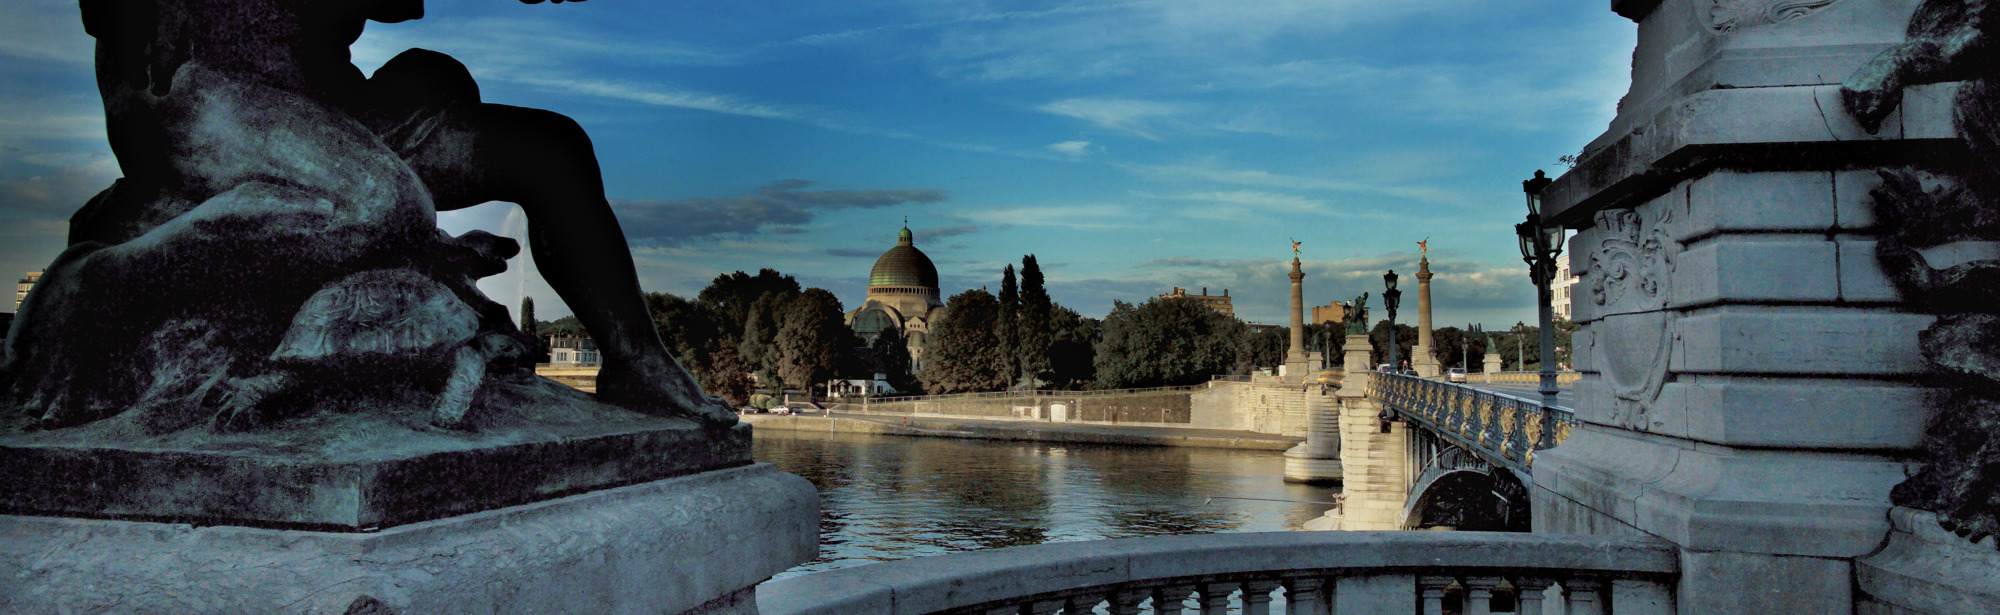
[{"x": 545, "y": 163}]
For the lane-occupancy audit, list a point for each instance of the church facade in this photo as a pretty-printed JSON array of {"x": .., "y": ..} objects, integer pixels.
[{"x": 902, "y": 294}]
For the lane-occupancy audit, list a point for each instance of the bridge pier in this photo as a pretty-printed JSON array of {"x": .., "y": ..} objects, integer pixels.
[
  {"x": 1374, "y": 461},
  {"x": 1749, "y": 387}
]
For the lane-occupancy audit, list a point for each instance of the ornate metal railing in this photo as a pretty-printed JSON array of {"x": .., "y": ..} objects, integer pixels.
[
  {"x": 1320, "y": 573},
  {"x": 1505, "y": 429},
  {"x": 1562, "y": 377}
]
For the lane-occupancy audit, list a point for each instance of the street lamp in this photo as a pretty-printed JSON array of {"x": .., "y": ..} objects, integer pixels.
[
  {"x": 1540, "y": 245},
  {"x": 1390, "y": 298}
]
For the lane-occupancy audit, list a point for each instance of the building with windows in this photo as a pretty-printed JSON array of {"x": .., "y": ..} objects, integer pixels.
[
  {"x": 1334, "y": 313},
  {"x": 902, "y": 294},
  {"x": 1219, "y": 303},
  {"x": 1560, "y": 289},
  {"x": 21, "y": 288}
]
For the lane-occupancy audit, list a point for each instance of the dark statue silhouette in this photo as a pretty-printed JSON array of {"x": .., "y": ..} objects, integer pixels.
[
  {"x": 1945, "y": 200},
  {"x": 273, "y": 240}
]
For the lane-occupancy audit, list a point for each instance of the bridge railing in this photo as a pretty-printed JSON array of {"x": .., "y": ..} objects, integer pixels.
[
  {"x": 1506, "y": 429},
  {"x": 1321, "y": 573},
  {"x": 1562, "y": 377}
]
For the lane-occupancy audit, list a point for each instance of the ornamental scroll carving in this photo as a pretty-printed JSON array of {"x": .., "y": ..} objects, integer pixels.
[
  {"x": 1946, "y": 202},
  {"x": 1730, "y": 15}
]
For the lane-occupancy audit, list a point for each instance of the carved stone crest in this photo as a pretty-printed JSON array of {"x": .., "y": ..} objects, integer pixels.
[{"x": 1629, "y": 275}]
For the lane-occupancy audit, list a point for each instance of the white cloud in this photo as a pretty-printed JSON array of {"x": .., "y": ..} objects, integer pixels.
[
  {"x": 44, "y": 30},
  {"x": 1097, "y": 216},
  {"x": 1219, "y": 173},
  {"x": 1072, "y": 148}
]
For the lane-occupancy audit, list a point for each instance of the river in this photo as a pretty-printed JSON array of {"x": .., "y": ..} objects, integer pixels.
[{"x": 891, "y": 497}]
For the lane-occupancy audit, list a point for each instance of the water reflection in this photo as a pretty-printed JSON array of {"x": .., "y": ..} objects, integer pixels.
[{"x": 887, "y": 497}]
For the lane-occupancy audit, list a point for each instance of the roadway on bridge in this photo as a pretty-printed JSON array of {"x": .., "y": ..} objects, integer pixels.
[{"x": 1566, "y": 398}]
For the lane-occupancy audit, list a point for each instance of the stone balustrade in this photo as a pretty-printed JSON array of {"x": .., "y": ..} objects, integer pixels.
[
  {"x": 1319, "y": 573},
  {"x": 1504, "y": 429}
]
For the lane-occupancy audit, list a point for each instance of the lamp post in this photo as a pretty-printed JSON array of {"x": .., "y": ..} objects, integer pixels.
[
  {"x": 1390, "y": 298},
  {"x": 1540, "y": 245}
]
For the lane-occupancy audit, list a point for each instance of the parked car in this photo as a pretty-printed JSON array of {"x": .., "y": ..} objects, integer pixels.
[
  {"x": 781, "y": 410},
  {"x": 1385, "y": 368},
  {"x": 1456, "y": 374}
]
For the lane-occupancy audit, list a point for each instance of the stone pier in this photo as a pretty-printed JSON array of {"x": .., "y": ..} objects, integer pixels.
[
  {"x": 1375, "y": 462},
  {"x": 1749, "y": 379},
  {"x": 1492, "y": 362},
  {"x": 1423, "y": 357}
]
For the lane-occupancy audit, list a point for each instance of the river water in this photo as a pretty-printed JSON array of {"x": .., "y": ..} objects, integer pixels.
[{"x": 891, "y": 497}]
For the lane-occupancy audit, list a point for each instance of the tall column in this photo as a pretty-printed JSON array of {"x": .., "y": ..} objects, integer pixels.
[
  {"x": 1728, "y": 227},
  {"x": 1297, "y": 369},
  {"x": 1421, "y": 359}
]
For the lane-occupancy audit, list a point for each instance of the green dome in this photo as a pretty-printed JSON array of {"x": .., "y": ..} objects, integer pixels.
[{"x": 904, "y": 265}]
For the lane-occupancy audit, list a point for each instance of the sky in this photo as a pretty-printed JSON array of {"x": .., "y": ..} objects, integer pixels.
[{"x": 1132, "y": 146}]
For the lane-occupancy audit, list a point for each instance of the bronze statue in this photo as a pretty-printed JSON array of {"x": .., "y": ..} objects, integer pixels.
[
  {"x": 1942, "y": 202},
  {"x": 263, "y": 170},
  {"x": 1357, "y": 318}
]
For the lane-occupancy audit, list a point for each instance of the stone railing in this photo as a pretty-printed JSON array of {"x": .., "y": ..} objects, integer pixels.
[
  {"x": 1562, "y": 377},
  {"x": 1505, "y": 429},
  {"x": 1320, "y": 573}
]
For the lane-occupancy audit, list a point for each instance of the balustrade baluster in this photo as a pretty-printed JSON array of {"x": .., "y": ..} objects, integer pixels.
[
  {"x": 1479, "y": 595},
  {"x": 1432, "y": 591},
  {"x": 1080, "y": 605},
  {"x": 1531, "y": 595},
  {"x": 1215, "y": 597},
  {"x": 1125, "y": 601},
  {"x": 1257, "y": 597},
  {"x": 1582, "y": 596},
  {"x": 1168, "y": 600},
  {"x": 1040, "y": 607},
  {"x": 1305, "y": 596}
]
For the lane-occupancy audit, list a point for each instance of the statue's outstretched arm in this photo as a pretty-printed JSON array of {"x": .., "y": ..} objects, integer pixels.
[{"x": 1947, "y": 40}]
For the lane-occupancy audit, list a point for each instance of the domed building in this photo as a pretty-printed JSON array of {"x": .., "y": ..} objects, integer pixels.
[{"x": 902, "y": 293}]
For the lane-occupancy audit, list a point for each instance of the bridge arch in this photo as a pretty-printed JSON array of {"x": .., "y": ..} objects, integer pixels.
[{"x": 1457, "y": 490}]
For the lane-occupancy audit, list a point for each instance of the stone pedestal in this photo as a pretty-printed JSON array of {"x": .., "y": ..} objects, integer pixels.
[
  {"x": 1492, "y": 365},
  {"x": 1747, "y": 390},
  {"x": 1925, "y": 569},
  {"x": 695, "y": 543},
  {"x": 1422, "y": 357}
]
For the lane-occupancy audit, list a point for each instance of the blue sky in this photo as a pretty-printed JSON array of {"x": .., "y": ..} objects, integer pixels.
[{"x": 1132, "y": 146}]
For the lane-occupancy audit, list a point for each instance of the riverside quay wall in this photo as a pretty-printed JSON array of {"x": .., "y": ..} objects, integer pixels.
[{"x": 1261, "y": 407}]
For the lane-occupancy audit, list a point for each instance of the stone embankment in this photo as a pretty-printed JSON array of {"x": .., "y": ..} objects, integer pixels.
[{"x": 1023, "y": 430}]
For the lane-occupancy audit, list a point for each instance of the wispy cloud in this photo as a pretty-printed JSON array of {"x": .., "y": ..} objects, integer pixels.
[
  {"x": 1139, "y": 118},
  {"x": 1098, "y": 216},
  {"x": 1220, "y": 173},
  {"x": 781, "y": 204}
]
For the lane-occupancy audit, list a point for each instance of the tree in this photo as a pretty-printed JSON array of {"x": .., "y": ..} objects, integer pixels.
[
  {"x": 685, "y": 327},
  {"x": 1378, "y": 339},
  {"x": 528, "y": 316},
  {"x": 732, "y": 295},
  {"x": 892, "y": 359},
  {"x": 1266, "y": 349},
  {"x": 759, "y": 345},
  {"x": 724, "y": 376},
  {"x": 962, "y": 356},
  {"x": 567, "y": 326},
  {"x": 1072, "y": 350},
  {"x": 1035, "y": 335},
  {"x": 1165, "y": 342},
  {"x": 812, "y": 342},
  {"x": 1007, "y": 327}
]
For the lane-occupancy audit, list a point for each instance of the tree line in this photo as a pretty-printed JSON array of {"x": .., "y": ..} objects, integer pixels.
[{"x": 797, "y": 338}]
